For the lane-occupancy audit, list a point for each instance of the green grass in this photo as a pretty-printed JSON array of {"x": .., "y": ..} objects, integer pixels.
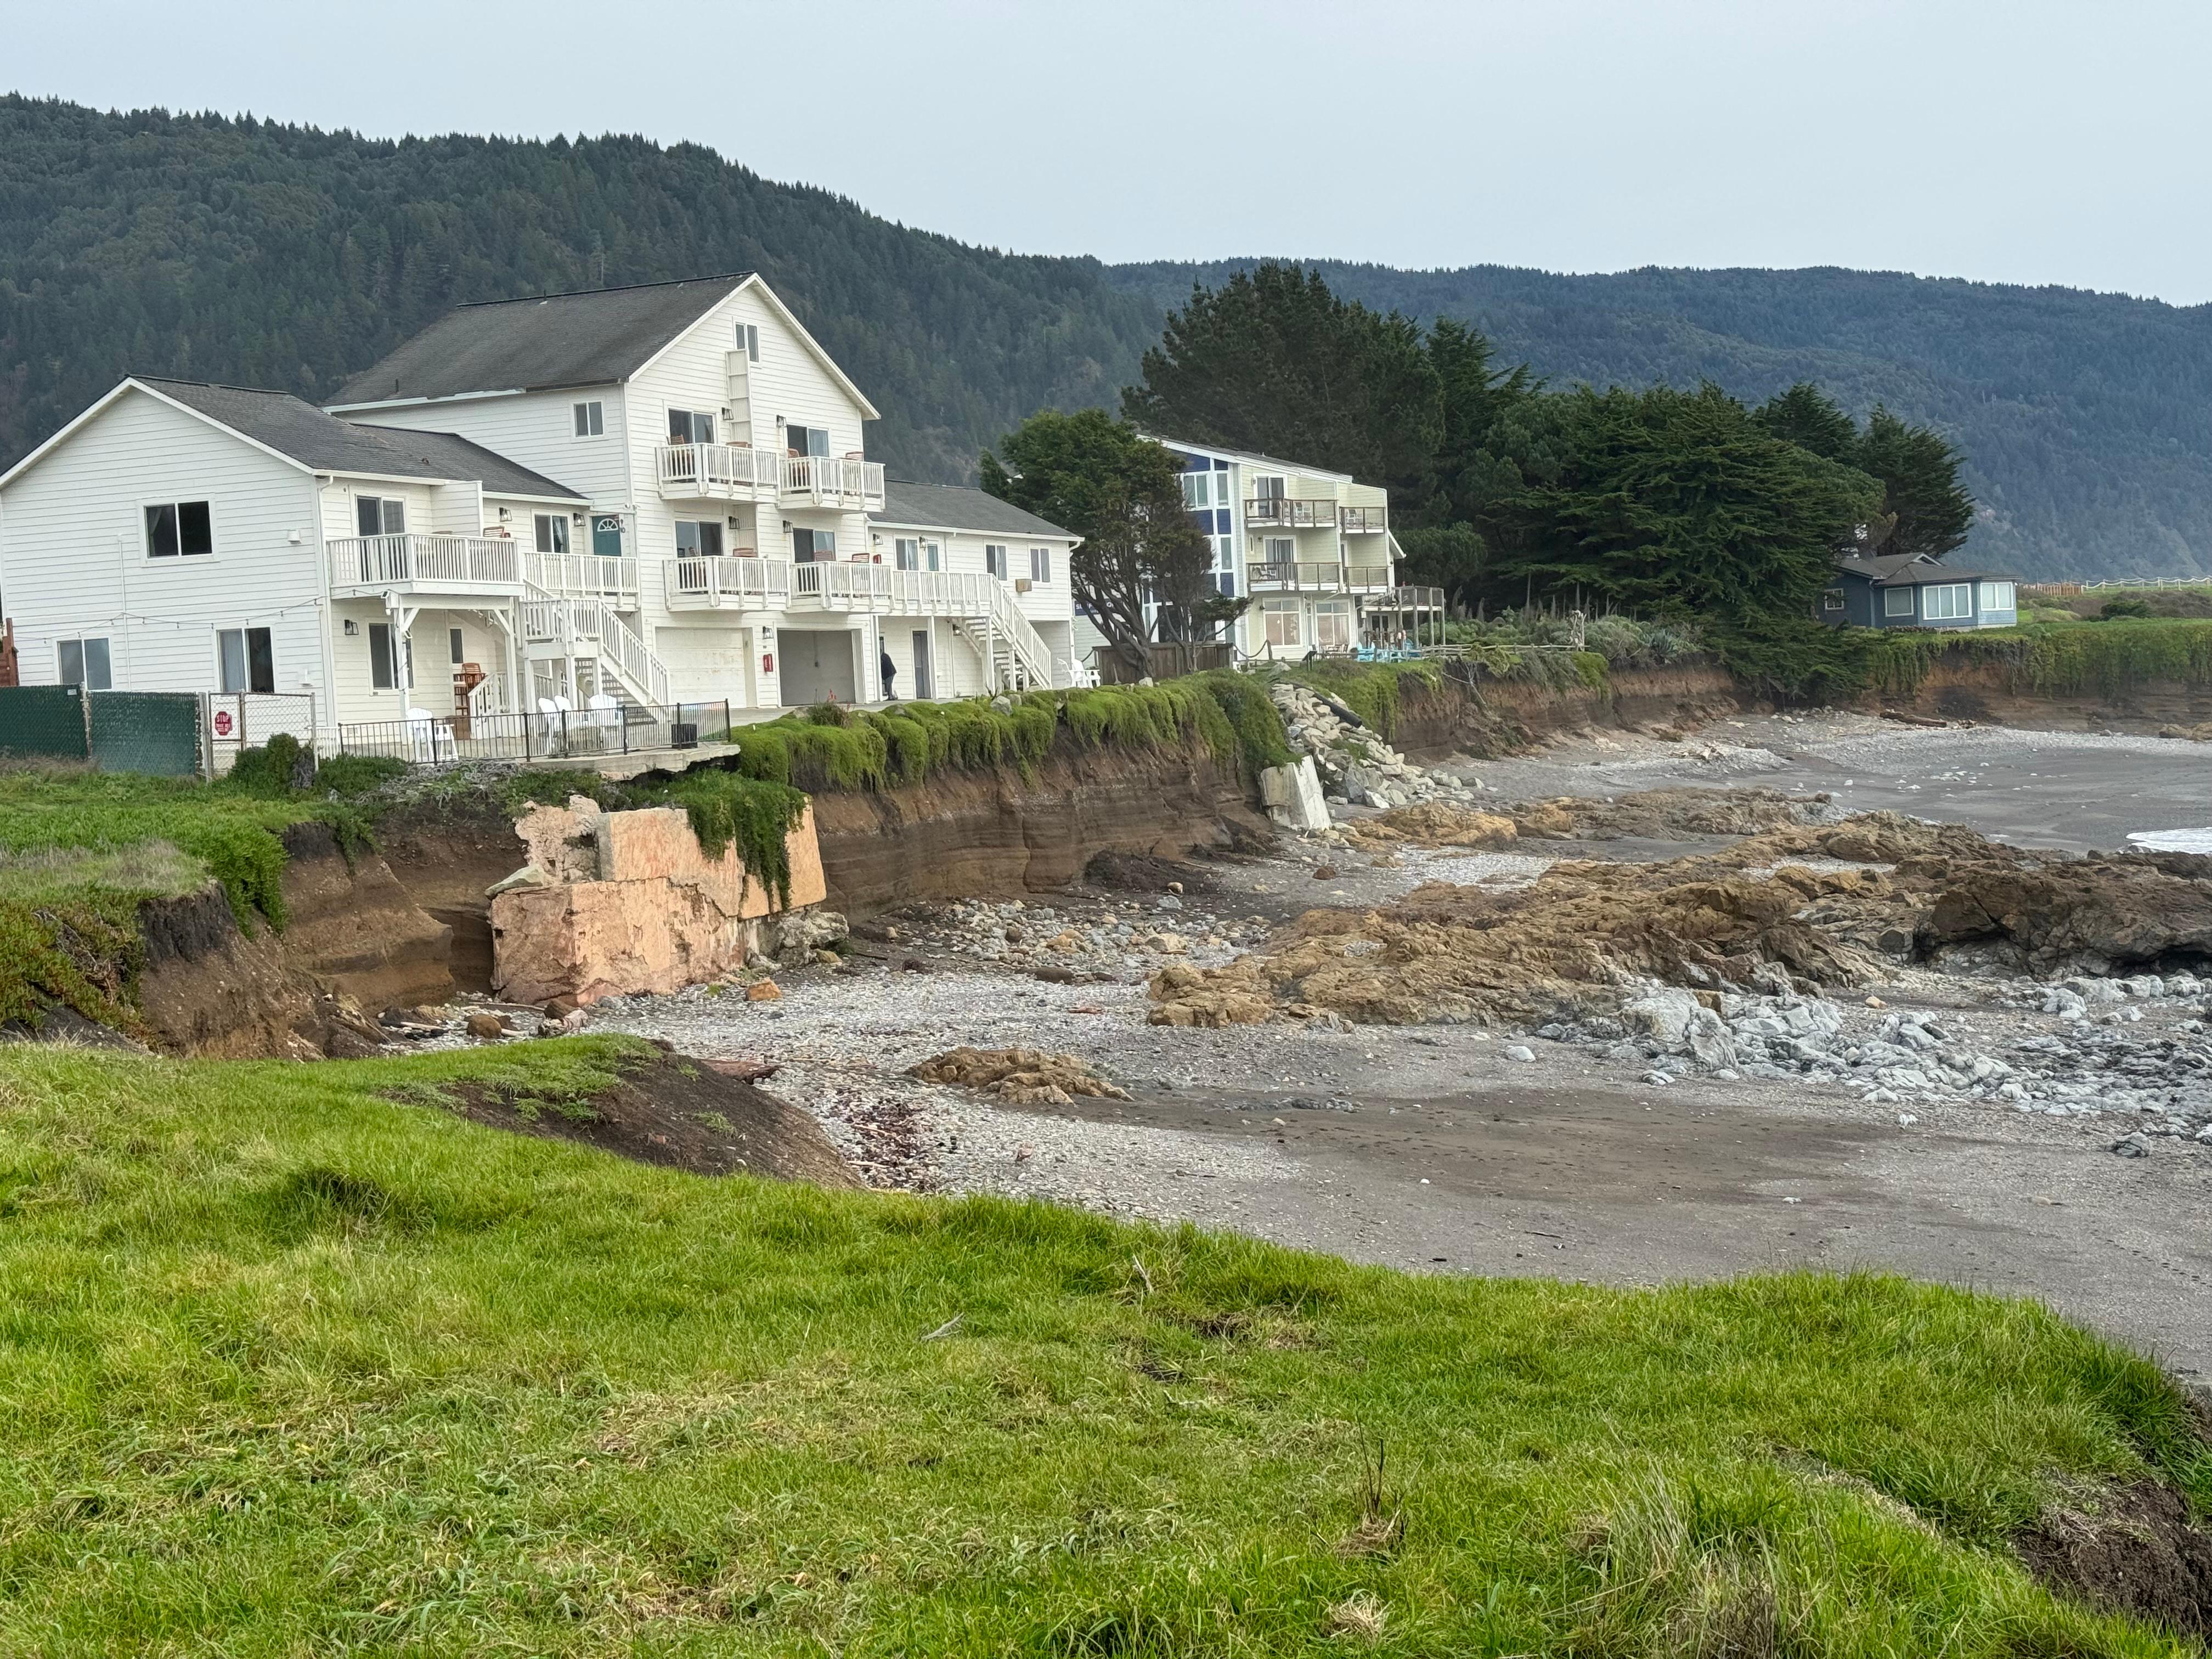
[
  {"x": 79, "y": 850},
  {"x": 287, "y": 1366}
]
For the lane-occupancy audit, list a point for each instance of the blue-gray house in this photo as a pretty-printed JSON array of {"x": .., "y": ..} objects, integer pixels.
[{"x": 1917, "y": 591}]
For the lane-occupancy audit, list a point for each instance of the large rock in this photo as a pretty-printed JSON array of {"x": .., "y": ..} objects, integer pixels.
[
  {"x": 1665, "y": 1016},
  {"x": 1293, "y": 795}
]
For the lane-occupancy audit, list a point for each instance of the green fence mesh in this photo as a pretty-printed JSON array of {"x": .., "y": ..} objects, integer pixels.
[
  {"x": 43, "y": 721},
  {"x": 156, "y": 731}
]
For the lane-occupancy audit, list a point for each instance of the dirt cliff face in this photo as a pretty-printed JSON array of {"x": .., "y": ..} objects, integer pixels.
[
  {"x": 1498, "y": 717},
  {"x": 961, "y": 835},
  {"x": 211, "y": 990},
  {"x": 1985, "y": 691}
]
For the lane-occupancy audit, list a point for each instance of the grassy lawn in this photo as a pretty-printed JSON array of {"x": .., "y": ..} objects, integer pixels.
[{"x": 288, "y": 1365}]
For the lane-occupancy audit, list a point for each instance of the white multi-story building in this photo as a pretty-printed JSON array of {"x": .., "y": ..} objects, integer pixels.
[
  {"x": 1310, "y": 548},
  {"x": 642, "y": 497}
]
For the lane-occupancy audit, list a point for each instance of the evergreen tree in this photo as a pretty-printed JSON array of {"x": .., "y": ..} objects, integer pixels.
[
  {"x": 1274, "y": 361},
  {"x": 1807, "y": 417},
  {"x": 1122, "y": 493},
  {"x": 1924, "y": 507}
]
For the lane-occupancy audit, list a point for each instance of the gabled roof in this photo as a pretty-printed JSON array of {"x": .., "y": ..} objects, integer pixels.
[
  {"x": 1914, "y": 570},
  {"x": 911, "y": 506},
  {"x": 1254, "y": 457},
  {"x": 296, "y": 431},
  {"x": 549, "y": 340},
  {"x": 598, "y": 336}
]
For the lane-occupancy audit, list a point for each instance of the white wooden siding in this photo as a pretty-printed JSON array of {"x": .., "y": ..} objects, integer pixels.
[{"x": 73, "y": 559}]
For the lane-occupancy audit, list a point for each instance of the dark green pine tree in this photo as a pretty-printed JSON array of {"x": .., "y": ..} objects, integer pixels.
[
  {"x": 1927, "y": 511},
  {"x": 1808, "y": 417}
]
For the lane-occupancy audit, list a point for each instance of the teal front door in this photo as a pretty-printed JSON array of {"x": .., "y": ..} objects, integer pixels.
[{"x": 606, "y": 535}]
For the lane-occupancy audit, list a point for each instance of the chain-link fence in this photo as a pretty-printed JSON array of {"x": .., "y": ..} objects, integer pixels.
[
  {"x": 247, "y": 719},
  {"x": 156, "y": 731},
  {"x": 44, "y": 722}
]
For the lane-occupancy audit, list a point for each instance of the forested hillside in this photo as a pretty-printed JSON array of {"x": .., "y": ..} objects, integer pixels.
[
  {"x": 282, "y": 256},
  {"x": 2086, "y": 419}
]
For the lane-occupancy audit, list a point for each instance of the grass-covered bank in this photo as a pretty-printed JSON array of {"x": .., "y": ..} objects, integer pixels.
[
  {"x": 2108, "y": 658},
  {"x": 297, "y": 1360}
]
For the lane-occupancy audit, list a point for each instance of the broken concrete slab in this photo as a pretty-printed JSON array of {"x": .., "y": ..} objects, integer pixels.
[{"x": 1293, "y": 797}]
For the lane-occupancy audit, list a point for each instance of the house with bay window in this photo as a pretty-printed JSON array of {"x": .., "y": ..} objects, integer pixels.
[{"x": 1917, "y": 591}]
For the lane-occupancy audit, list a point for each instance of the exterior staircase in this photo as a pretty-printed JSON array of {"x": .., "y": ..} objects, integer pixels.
[
  {"x": 1015, "y": 657},
  {"x": 604, "y": 647}
]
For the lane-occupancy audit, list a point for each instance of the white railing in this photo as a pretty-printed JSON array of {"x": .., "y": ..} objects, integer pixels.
[
  {"x": 745, "y": 583},
  {"x": 830, "y": 480},
  {"x": 436, "y": 560},
  {"x": 835, "y": 587},
  {"x": 1028, "y": 646},
  {"x": 571, "y": 620},
  {"x": 713, "y": 469},
  {"x": 484, "y": 698},
  {"x": 615, "y": 579}
]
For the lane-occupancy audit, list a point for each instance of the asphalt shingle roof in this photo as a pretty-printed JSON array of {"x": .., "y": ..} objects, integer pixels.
[
  {"x": 298, "y": 429},
  {"x": 952, "y": 507},
  {"x": 1911, "y": 570},
  {"x": 550, "y": 340}
]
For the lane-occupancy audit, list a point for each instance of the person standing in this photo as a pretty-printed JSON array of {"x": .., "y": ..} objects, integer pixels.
[{"x": 888, "y": 670}]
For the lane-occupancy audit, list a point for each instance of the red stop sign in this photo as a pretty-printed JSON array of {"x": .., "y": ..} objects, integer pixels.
[{"x": 223, "y": 722}]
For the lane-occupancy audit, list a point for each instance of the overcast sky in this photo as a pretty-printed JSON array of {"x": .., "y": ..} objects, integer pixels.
[{"x": 2012, "y": 140}]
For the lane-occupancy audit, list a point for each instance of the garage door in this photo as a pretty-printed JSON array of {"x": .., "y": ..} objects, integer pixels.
[
  {"x": 815, "y": 663},
  {"x": 706, "y": 665}
]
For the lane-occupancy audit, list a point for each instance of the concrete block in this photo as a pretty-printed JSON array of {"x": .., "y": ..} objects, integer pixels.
[{"x": 1293, "y": 795}]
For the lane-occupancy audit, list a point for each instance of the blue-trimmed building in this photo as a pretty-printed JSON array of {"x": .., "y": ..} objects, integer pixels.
[{"x": 1917, "y": 591}]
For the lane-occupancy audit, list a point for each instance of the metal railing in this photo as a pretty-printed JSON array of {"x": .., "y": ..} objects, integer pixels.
[
  {"x": 1289, "y": 512},
  {"x": 614, "y": 580},
  {"x": 741, "y": 582},
  {"x": 1362, "y": 520},
  {"x": 1366, "y": 578},
  {"x": 624, "y": 728},
  {"x": 438, "y": 561}
]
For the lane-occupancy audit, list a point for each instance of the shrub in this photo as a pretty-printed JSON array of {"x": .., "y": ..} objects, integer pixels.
[
  {"x": 357, "y": 775},
  {"x": 278, "y": 768},
  {"x": 726, "y": 806}
]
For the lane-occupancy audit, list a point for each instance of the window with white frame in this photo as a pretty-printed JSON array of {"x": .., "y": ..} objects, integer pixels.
[
  {"x": 1998, "y": 596},
  {"x": 391, "y": 658},
  {"x": 1896, "y": 601},
  {"x": 591, "y": 419},
  {"x": 1282, "y": 625},
  {"x": 1040, "y": 566},
  {"x": 552, "y": 530},
  {"x": 1333, "y": 626},
  {"x": 912, "y": 553},
  {"x": 698, "y": 538},
  {"x": 1951, "y": 602},
  {"x": 748, "y": 341},
  {"x": 812, "y": 546},
  {"x": 691, "y": 426},
  {"x": 245, "y": 659},
  {"x": 379, "y": 515},
  {"x": 179, "y": 530},
  {"x": 1832, "y": 599},
  {"x": 84, "y": 662},
  {"x": 994, "y": 559},
  {"x": 457, "y": 645}
]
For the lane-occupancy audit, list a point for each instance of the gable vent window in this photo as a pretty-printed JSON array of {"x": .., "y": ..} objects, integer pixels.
[
  {"x": 591, "y": 419},
  {"x": 179, "y": 529}
]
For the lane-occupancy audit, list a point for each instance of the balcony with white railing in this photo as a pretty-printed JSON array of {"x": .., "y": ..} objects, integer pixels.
[
  {"x": 830, "y": 481},
  {"x": 727, "y": 582},
  {"x": 587, "y": 575},
  {"x": 425, "y": 565},
  {"x": 1294, "y": 576},
  {"x": 721, "y": 472},
  {"x": 1290, "y": 512}
]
